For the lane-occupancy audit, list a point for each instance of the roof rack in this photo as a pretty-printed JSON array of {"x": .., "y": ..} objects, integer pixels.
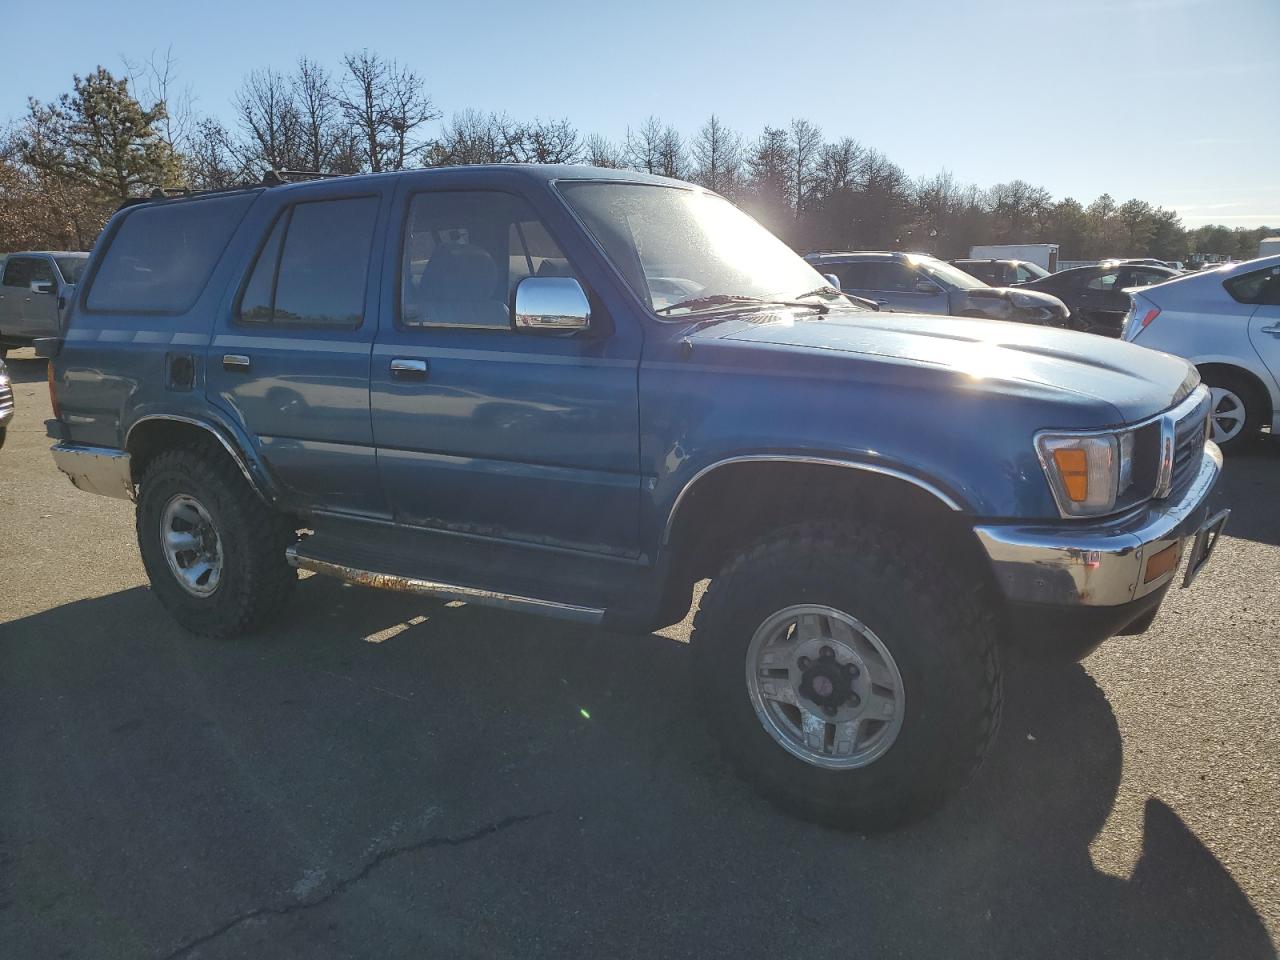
[
  {"x": 272, "y": 178},
  {"x": 275, "y": 178}
]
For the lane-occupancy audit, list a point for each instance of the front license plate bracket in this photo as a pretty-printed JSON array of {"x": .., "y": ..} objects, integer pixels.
[{"x": 1202, "y": 548}]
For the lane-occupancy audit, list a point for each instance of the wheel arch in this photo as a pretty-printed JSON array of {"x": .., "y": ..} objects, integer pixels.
[
  {"x": 1234, "y": 368},
  {"x": 149, "y": 435},
  {"x": 733, "y": 502}
]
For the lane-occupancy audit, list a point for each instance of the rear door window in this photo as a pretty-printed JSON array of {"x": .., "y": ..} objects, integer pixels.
[
  {"x": 314, "y": 267},
  {"x": 1106, "y": 281},
  {"x": 162, "y": 255}
]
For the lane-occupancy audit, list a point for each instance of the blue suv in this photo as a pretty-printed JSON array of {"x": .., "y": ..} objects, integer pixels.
[{"x": 582, "y": 392}]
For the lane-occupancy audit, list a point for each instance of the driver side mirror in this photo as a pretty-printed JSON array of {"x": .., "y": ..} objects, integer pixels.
[
  {"x": 832, "y": 279},
  {"x": 551, "y": 304},
  {"x": 42, "y": 286},
  {"x": 927, "y": 286}
]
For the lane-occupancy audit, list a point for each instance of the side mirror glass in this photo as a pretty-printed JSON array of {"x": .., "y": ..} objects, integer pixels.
[
  {"x": 42, "y": 286},
  {"x": 832, "y": 279},
  {"x": 552, "y": 304},
  {"x": 927, "y": 286}
]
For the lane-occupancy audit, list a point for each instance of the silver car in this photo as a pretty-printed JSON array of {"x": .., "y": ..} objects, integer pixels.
[
  {"x": 1227, "y": 322},
  {"x": 32, "y": 285},
  {"x": 6, "y": 402}
]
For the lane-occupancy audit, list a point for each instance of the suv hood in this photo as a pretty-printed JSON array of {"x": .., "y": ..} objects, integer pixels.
[{"x": 1137, "y": 382}]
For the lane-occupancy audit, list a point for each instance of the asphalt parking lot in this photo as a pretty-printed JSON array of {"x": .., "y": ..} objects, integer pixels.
[{"x": 388, "y": 776}]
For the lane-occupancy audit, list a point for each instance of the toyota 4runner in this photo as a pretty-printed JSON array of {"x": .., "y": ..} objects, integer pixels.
[{"x": 580, "y": 393}]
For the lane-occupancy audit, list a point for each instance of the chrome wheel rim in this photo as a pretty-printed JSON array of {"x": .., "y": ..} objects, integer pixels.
[
  {"x": 191, "y": 545},
  {"x": 1227, "y": 414},
  {"x": 825, "y": 687}
]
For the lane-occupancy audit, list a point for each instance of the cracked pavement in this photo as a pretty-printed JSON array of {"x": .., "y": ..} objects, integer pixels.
[{"x": 384, "y": 776}]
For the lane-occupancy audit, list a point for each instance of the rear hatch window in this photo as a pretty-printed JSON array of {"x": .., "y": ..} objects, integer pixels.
[{"x": 162, "y": 255}]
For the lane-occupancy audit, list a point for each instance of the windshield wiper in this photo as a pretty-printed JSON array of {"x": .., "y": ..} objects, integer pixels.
[
  {"x": 725, "y": 299},
  {"x": 715, "y": 299}
]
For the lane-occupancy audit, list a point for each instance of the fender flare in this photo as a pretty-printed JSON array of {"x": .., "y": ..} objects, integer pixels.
[{"x": 253, "y": 471}]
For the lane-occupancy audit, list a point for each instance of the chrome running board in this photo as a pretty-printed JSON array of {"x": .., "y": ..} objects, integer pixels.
[{"x": 444, "y": 591}]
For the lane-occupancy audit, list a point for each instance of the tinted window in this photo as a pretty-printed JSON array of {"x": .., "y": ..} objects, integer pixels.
[
  {"x": 1105, "y": 282},
  {"x": 322, "y": 249},
  {"x": 896, "y": 278},
  {"x": 853, "y": 276},
  {"x": 20, "y": 271},
  {"x": 1142, "y": 278},
  {"x": 71, "y": 267},
  {"x": 464, "y": 253},
  {"x": 162, "y": 255},
  {"x": 1260, "y": 286}
]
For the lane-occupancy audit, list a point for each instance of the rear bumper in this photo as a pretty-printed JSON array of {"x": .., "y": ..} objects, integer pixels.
[
  {"x": 1104, "y": 564},
  {"x": 99, "y": 470}
]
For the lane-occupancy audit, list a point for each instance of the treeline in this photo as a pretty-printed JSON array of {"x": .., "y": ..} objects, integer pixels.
[{"x": 66, "y": 165}]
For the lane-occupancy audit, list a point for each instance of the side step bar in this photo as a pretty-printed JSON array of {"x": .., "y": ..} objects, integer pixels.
[{"x": 445, "y": 591}]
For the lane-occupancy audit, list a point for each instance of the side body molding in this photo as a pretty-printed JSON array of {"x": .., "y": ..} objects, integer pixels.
[{"x": 949, "y": 501}]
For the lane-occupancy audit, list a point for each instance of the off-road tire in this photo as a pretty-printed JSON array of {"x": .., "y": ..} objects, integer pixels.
[
  {"x": 256, "y": 577},
  {"x": 937, "y": 628}
]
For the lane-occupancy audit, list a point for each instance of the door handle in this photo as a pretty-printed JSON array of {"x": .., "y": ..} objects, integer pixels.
[
  {"x": 1274, "y": 330},
  {"x": 883, "y": 303},
  {"x": 235, "y": 361},
  {"x": 403, "y": 368}
]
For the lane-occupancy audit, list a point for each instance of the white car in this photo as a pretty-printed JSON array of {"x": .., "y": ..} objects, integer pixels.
[{"x": 1227, "y": 322}]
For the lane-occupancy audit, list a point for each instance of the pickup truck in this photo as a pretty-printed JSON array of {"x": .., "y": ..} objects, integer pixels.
[
  {"x": 32, "y": 288},
  {"x": 581, "y": 393}
]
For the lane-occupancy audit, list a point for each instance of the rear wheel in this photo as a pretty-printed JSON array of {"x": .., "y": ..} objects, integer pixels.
[
  {"x": 1237, "y": 410},
  {"x": 214, "y": 552},
  {"x": 847, "y": 676}
]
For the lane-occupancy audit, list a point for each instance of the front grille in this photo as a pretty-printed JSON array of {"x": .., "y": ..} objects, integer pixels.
[{"x": 1188, "y": 445}]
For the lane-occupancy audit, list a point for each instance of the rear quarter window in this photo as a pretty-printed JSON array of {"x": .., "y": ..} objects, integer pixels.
[
  {"x": 162, "y": 255},
  {"x": 1258, "y": 287}
]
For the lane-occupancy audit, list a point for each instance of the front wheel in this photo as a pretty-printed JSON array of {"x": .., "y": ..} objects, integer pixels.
[{"x": 849, "y": 678}]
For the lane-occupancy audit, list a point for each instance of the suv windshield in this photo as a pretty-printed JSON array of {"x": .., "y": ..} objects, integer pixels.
[
  {"x": 952, "y": 278},
  {"x": 684, "y": 251},
  {"x": 71, "y": 267}
]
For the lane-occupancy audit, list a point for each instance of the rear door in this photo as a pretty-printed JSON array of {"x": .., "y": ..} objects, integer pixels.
[
  {"x": 485, "y": 430},
  {"x": 290, "y": 353},
  {"x": 1264, "y": 325}
]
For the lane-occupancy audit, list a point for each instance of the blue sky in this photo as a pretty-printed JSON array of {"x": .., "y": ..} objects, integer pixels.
[{"x": 1170, "y": 101}]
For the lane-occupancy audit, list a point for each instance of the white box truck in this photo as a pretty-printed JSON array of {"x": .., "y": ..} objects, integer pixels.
[
  {"x": 1043, "y": 254},
  {"x": 1268, "y": 246}
]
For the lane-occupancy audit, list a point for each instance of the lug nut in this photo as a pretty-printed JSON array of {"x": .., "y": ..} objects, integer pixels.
[
  {"x": 851, "y": 669},
  {"x": 804, "y": 663},
  {"x": 854, "y": 700},
  {"x": 826, "y": 653},
  {"x": 829, "y": 711}
]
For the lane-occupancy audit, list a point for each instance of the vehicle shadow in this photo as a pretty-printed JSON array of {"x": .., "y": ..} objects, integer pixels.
[
  {"x": 1250, "y": 486},
  {"x": 310, "y": 793},
  {"x": 25, "y": 367}
]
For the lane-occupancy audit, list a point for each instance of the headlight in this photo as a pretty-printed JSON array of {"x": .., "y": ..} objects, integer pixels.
[
  {"x": 1019, "y": 299},
  {"x": 1087, "y": 472}
]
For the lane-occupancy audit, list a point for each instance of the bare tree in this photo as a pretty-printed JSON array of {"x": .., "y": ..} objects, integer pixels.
[
  {"x": 154, "y": 82},
  {"x": 671, "y": 156},
  {"x": 599, "y": 151},
  {"x": 804, "y": 144},
  {"x": 643, "y": 148},
  {"x": 209, "y": 158},
  {"x": 717, "y": 156},
  {"x": 473, "y": 137},
  {"x": 386, "y": 104},
  {"x": 270, "y": 124},
  {"x": 551, "y": 141},
  {"x": 321, "y": 128}
]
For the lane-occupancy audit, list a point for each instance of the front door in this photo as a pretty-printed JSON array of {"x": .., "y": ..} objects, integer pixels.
[
  {"x": 485, "y": 430},
  {"x": 290, "y": 355},
  {"x": 27, "y": 313},
  {"x": 908, "y": 290},
  {"x": 1264, "y": 325}
]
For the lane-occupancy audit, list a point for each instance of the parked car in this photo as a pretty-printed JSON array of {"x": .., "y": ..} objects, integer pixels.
[
  {"x": 1226, "y": 322},
  {"x": 915, "y": 283},
  {"x": 6, "y": 402},
  {"x": 31, "y": 285},
  {"x": 1096, "y": 295},
  {"x": 463, "y": 382},
  {"x": 1002, "y": 273}
]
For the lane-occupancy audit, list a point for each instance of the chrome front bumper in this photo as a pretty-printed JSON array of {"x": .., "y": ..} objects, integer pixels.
[
  {"x": 1102, "y": 564},
  {"x": 100, "y": 470}
]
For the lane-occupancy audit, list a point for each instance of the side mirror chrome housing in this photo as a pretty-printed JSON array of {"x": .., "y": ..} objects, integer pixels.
[
  {"x": 832, "y": 279},
  {"x": 552, "y": 304},
  {"x": 927, "y": 286},
  {"x": 42, "y": 286}
]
